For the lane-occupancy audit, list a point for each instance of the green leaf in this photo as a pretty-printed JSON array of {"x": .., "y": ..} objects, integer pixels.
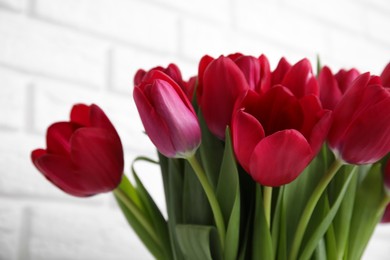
[
  {"x": 367, "y": 211},
  {"x": 196, "y": 207},
  {"x": 228, "y": 196},
  {"x": 153, "y": 212},
  {"x": 198, "y": 242},
  {"x": 211, "y": 151},
  {"x": 127, "y": 187},
  {"x": 342, "y": 221},
  {"x": 297, "y": 194},
  {"x": 321, "y": 229},
  {"x": 276, "y": 221},
  {"x": 141, "y": 232},
  {"x": 262, "y": 241},
  {"x": 172, "y": 174}
]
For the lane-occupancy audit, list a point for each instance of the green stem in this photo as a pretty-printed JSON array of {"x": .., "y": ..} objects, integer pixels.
[
  {"x": 211, "y": 197},
  {"x": 267, "y": 204},
  {"x": 137, "y": 214},
  {"x": 307, "y": 212}
]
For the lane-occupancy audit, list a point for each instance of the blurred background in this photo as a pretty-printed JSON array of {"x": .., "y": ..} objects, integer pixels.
[{"x": 54, "y": 53}]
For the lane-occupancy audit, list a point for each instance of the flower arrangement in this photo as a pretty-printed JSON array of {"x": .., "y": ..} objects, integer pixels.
[{"x": 256, "y": 163}]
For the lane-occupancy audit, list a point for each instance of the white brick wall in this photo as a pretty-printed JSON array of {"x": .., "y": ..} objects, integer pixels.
[{"x": 54, "y": 53}]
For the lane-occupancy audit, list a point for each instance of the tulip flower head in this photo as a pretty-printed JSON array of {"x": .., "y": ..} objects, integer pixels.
[
  {"x": 84, "y": 156},
  {"x": 361, "y": 125},
  {"x": 167, "y": 115},
  {"x": 276, "y": 135},
  {"x": 333, "y": 87}
]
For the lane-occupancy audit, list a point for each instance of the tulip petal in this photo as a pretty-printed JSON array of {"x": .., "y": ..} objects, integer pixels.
[
  {"x": 223, "y": 84},
  {"x": 97, "y": 156},
  {"x": 330, "y": 94},
  {"x": 99, "y": 119},
  {"x": 386, "y": 215},
  {"x": 345, "y": 78},
  {"x": 277, "y": 110},
  {"x": 59, "y": 171},
  {"x": 279, "y": 159},
  {"x": 250, "y": 66},
  {"x": 385, "y": 76},
  {"x": 181, "y": 122},
  {"x": 280, "y": 71},
  {"x": 58, "y": 138},
  {"x": 80, "y": 114},
  {"x": 367, "y": 139},
  {"x": 300, "y": 79},
  {"x": 346, "y": 109},
  {"x": 265, "y": 75},
  {"x": 247, "y": 132},
  {"x": 155, "y": 127}
]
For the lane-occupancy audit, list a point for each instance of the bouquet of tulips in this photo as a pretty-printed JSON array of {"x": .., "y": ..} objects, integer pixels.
[{"x": 256, "y": 163}]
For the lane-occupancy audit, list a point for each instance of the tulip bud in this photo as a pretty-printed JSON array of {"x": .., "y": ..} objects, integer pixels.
[
  {"x": 83, "y": 157},
  {"x": 167, "y": 115},
  {"x": 361, "y": 125}
]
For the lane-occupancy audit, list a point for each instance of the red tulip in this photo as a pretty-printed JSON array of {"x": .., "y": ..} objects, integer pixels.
[
  {"x": 360, "y": 132},
  {"x": 386, "y": 215},
  {"x": 167, "y": 115},
  {"x": 333, "y": 87},
  {"x": 276, "y": 135},
  {"x": 84, "y": 156},
  {"x": 224, "y": 80},
  {"x": 385, "y": 76}
]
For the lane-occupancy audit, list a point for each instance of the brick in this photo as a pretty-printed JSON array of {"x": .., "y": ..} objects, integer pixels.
[
  {"x": 200, "y": 38},
  {"x": 213, "y": 10},
  {"x": 44, "y": 49},
  {"x": 12, "y": 99},
  {"x": 10, "y": 217},
  {"x": 127, "y": 61},
  {"x": 134, "y": 21},
  {"x": 349, "y": 50},
  {"x": 280, "y": 25},
  {"x": 332, "y": 13},
  {"x": 378, "y": 26},
  {"x": 13, "y": 4},
  {"x": 74, "y": 232},
  {"x": 54, "y": 99}
]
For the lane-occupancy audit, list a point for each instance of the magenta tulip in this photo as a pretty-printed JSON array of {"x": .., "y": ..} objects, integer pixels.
[
  {"x": 333, "y": 87},
  {"x": 276, "y": 135},
  {"x": 174, "y": 73},
  {"x": 361, "y": 125},
  {"x": 167, "y": 115},
  {"x": 83, "y": 157}
]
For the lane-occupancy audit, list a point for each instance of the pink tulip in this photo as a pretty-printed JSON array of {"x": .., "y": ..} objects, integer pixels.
[
  {"x": 167, "y": 115},
  {"x": 84, "y": 156}
]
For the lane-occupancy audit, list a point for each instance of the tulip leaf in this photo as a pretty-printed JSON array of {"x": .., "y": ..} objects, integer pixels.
[
  {"x": 198, "y": 242},
  {"x": 211, "y": 151},
  {"x": 297, "y": 194},
  {"x": 342, "y": 221},
  {"x": 127, "y": 187},
  {"x": 156, "y": 218},
  {"x": 172, "y": 175},
  {"x": 322, "y": 227},
  {"x": 262, "y": 240},
  {"x": 228, "y": 196},
  {"x": 276, "y": 221},
  {"x": 196, "y": 207},
  {"x": 367, "y": 211},
  {"x": 142, "y": 233}
]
